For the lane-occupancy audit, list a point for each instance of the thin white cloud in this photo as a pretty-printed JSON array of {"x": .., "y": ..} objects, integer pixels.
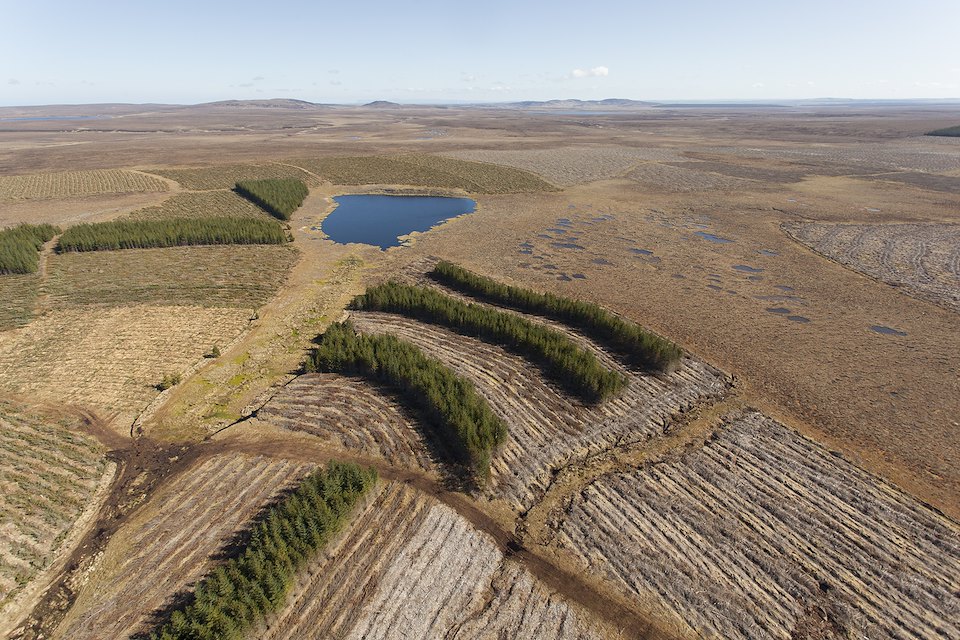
[
  {"x": 594, "y": 72},
  {"x": 13, "y": 81}
]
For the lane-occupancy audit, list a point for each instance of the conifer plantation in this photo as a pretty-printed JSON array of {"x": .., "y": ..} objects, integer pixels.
[
  {"x": 170, "y": 232},
  {"x": 242, "y": 592},
  {"x": 19, "y": 247},
  {"x": 279, "y": 197},
  {"x": 562, "y": 359},
  {"x": 458, "y": 416},
  {"x": 641, "y": 347}
]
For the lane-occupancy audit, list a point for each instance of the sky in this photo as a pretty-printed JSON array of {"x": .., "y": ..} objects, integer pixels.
[{"x": 483, "y": 51}]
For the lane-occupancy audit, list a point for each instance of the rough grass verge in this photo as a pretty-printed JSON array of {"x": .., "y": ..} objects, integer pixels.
[
  {"x": 560, "y": 357},
  {"x": 461, "y": 419},
  {"x": 174, "y": 232},
  {"x": 19, "y": 246},
  {"x": 278, "y": 197},
  {"x": 622, "y": 336},
  {"x": 239, "y": 594}
]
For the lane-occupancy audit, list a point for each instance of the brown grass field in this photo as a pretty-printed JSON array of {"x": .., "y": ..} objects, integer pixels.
[{"x": 797, "y": 477}]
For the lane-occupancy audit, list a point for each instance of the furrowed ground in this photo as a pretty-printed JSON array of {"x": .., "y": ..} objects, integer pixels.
[
  {"x": 572, "y": 165},
  {"x": 19, "y": 294},
  {"x": 763, "y": 533},
  {"x": 174, "y": 541},
  {"x": 67, "y": 184},
  {"x": 924, "y": 259},
  {"x": 195, "y": 204},
  {"x": 52, "y": 476},
  {"x": 241, "y": 276},
  {"x": 432, "y": 576},
  {"x": 547, "y": 428},
  {"x": 111, "y": 358},
  {"x": 227, "y": 176},
  {"x": 351, "y": 414}
]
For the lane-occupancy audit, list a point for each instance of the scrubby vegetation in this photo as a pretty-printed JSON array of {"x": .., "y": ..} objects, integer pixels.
[
  {"x": 561, "y": 358},
  {"x": 640, "y": 346},
  {"x": 169, "y": 380},
  {"x": 278, "y": 197},
  {"x": 150, "y": 234},
  {"x": 239, "y": 594},
  {"x": 950, "y": 132},
  {"x": 463, "y": 420},
  {"x": 19, "y": 246}
]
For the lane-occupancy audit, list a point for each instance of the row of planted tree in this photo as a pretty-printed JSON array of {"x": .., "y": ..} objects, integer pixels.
[
  {"x": 640, "y": 346},
  {"x": 561, "y": 358},
  {"x": 456, "y": 415},
  {"x": 20, "y": 246},
  {"x": 279, "y": 197},
  {"x": 239, "y": 594}
]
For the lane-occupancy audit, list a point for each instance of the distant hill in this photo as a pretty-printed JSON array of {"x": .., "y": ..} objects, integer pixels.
[
  {"x": 949, "y": 132},
  {"x": 620, "y": 103},
  {"x": 275, "y": 103},
  {"x": 382, "y": 104}
]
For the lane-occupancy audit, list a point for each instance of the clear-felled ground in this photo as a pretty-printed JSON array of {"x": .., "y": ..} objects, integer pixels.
[
  {"x": 762, "y": 533},
  {"x": 924, "y": 259},
  {"x": 409, "y": 567}
]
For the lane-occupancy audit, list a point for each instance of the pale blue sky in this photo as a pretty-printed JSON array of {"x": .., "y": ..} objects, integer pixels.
[{"x": 350, "y": 51}]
